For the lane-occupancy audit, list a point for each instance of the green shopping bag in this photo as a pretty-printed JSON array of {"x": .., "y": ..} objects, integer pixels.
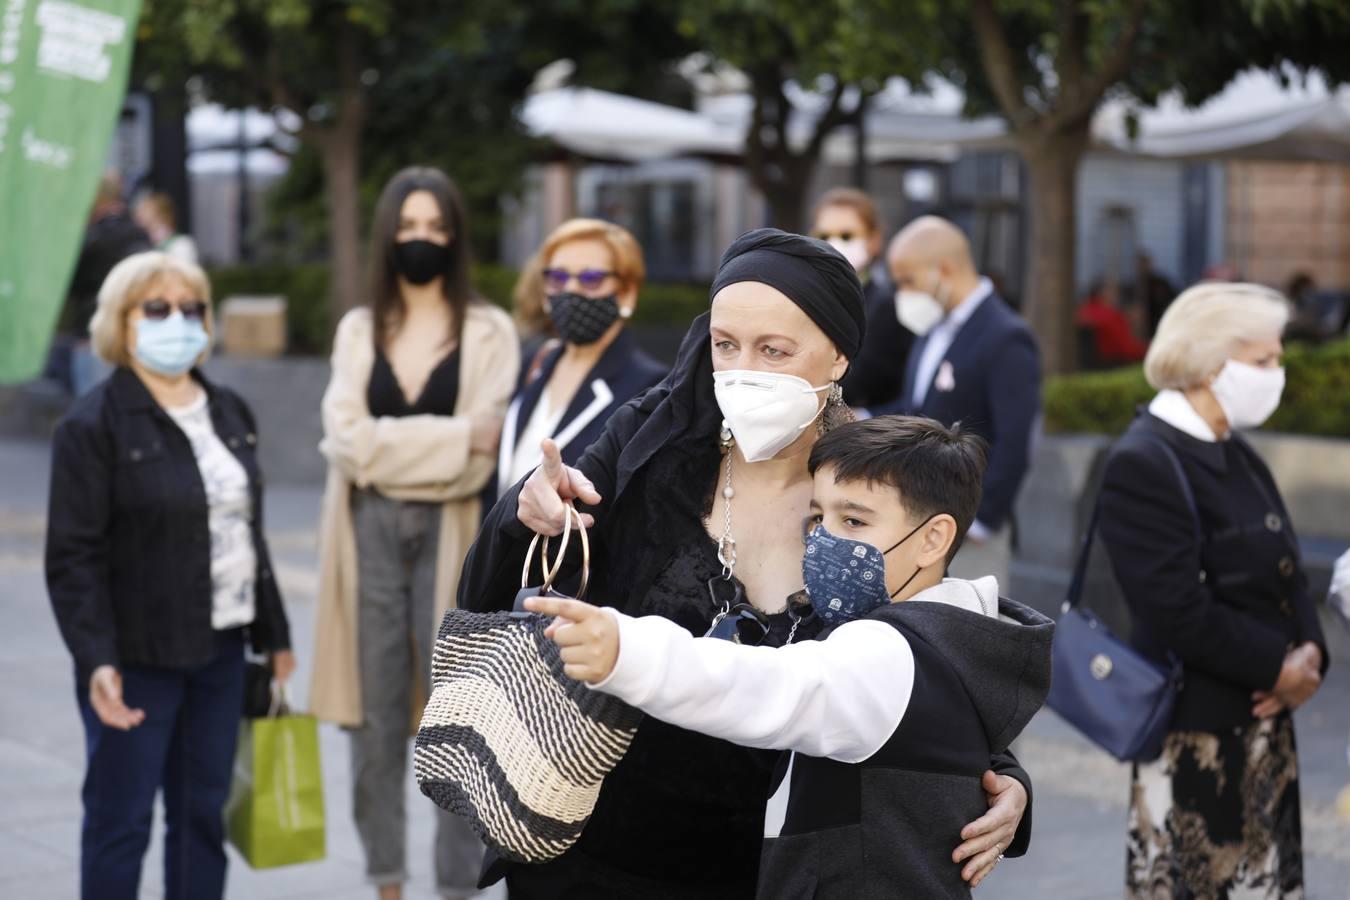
[{"x": 275, "y": 812}]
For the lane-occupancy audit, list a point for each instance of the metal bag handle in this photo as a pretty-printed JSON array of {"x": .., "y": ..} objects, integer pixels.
[{"x": 550, "y": 574}]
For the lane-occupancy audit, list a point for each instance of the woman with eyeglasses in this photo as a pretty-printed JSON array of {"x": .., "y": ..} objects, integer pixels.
[
  {"x": 694, "y": 497},
  {"x": 586, "y": 277},
  {"x": 159, "y": 573},
  {"x": 421, "y": 377}
]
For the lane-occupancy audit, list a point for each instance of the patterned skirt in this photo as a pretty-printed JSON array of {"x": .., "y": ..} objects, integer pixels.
[{"x": 1216, "y": 817}]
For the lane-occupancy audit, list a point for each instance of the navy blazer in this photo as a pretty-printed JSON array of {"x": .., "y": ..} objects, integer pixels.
[
  {"x": 995, "y": 391},
  {"x": 1228, "y": 601},
  {"x": 622, "y": 372}
]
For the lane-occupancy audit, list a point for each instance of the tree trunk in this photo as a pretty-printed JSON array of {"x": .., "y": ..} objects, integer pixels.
[
  {"x": 786, "y": 201},
  {"x": 341, "y": 155},
  {"x": 1049, "y": 291},
  {"x": 860, "y": 144},
  {"x": 340, "y": 148}
]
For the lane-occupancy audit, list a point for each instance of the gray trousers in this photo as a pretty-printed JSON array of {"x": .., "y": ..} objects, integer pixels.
[{"x": 396, "y": 546}]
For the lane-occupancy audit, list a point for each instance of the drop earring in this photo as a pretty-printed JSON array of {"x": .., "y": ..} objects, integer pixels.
[{"x": 835, "y": 413}]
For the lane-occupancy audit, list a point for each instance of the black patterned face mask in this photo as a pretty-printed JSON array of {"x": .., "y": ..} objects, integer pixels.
[{"x": 582, "y": 320}]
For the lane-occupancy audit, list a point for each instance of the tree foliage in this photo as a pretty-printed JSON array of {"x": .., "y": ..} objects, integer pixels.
[
  {"x": 375, "y": 85},
  {"x": 839, "y": 47},
  {"x": 1046, "y": 66}
]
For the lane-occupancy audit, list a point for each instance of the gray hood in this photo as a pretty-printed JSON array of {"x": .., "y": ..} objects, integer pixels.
[{"x": 1003, "y": 661}]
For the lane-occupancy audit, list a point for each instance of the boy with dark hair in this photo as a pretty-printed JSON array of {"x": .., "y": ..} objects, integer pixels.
[{"x": 893, "y": 715}]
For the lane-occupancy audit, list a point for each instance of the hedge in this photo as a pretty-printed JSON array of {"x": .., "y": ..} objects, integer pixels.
[
  {"x": 1316, "y": 398},
  {"x": 305, "y": 288}
]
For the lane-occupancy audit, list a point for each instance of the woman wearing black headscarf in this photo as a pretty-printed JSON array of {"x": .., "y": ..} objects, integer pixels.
[{"x": 702, "y": 477}]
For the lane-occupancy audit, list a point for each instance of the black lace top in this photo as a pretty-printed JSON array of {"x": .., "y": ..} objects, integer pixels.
[
  {"x": 672, "y": 783},
  {"x": 384, "y": 395}
]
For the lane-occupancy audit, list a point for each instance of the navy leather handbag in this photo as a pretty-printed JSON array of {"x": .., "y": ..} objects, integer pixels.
[{"x": 1118, "y": 698}]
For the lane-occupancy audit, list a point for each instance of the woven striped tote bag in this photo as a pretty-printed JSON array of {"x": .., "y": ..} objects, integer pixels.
[{"x": 507, "y": 741}]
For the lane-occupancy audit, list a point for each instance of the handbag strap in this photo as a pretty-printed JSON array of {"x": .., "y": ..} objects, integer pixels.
[
  {"x": 1075, "y": 595},
  {"x": 280, "y": 704},
  {"x": 552, "y": 573}
]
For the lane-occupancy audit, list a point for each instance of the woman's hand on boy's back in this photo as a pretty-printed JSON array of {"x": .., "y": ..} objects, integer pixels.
[
  {"x": 987, "y": 837},
  {"x": 588, "y": 636}
]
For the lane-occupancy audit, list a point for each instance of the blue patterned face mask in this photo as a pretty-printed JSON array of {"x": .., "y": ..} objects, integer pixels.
[{"x": 847, "y": 579}]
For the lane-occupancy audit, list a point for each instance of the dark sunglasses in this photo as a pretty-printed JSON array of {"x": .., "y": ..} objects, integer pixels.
[
  {"x": 162, "y": 309},
  {"x": 557, "y": 279},
  {"x": 825, "y": 235}
]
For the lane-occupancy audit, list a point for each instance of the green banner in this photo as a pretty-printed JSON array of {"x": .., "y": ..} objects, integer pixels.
[{"x": 63, "y": 74}]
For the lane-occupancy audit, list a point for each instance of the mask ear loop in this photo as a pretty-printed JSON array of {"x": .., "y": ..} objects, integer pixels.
[
  {"x": 918, "y": 569},
  {"x": 942, "y": 301}
]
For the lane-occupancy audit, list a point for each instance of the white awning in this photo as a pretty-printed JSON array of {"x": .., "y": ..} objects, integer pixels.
[
  {"x": 613, "y": 126},
  {"x": 1255, "y": 117},
  {"x": 213, "y": 140},
  {"x": 901, "y": 125}
]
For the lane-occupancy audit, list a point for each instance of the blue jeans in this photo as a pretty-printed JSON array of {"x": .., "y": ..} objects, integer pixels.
[{"x": 186, "y": 746}]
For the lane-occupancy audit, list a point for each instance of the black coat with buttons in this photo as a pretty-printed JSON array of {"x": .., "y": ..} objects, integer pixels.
[
  {"x": 1229, "y": 605},
  {"x": 128, "y": 554}
]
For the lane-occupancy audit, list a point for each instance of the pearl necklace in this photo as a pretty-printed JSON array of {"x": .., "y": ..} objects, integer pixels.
[{"x": 726, "y": 547}]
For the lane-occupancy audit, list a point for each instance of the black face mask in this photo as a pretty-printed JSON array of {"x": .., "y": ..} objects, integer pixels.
[
  {"x": 421, "y": 261},
  {"x": 582, "y": 320}
]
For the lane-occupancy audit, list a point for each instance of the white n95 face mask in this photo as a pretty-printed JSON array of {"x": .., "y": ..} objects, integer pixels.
[
  {"x": 765, "y": 411},
  {"x": 918, "y": 311},
  {"x": 854, "y": 250},
  {"x": 1247, "y": 394}
]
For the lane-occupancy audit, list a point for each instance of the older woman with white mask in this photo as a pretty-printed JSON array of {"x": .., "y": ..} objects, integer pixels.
[
  {"x": 1210, "y": 571},
  {"x": 696, "y": 495}
]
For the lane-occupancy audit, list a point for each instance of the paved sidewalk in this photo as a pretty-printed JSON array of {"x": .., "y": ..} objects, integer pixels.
[{"x": 1078, "y": 845}]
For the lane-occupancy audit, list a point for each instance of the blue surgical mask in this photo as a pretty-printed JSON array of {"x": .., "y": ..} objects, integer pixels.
[
  {"x": 847, "y": 579},
  {"x": 170, "y": 346}
]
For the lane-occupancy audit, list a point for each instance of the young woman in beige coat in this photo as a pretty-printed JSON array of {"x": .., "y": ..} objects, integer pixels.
[{"x": 411, "y": 419}]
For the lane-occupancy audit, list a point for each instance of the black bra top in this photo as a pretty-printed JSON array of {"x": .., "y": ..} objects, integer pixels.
[{"x": 384, "y": 395}]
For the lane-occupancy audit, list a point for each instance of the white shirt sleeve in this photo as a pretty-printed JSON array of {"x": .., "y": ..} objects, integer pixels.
[{"x": 840, "y": 698}]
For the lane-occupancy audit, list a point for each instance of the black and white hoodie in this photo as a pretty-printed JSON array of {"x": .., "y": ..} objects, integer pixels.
[{"x": 891, "y": 720}]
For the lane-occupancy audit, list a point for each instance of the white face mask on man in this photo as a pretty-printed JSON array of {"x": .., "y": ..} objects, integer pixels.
[
  {"x": 920, "y": 311},
  {"x": 765, "y": 411},
  {"x": 1247, "y": 394}
]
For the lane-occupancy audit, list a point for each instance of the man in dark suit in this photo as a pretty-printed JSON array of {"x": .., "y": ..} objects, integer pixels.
[{"x": 975, "y": 362}]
